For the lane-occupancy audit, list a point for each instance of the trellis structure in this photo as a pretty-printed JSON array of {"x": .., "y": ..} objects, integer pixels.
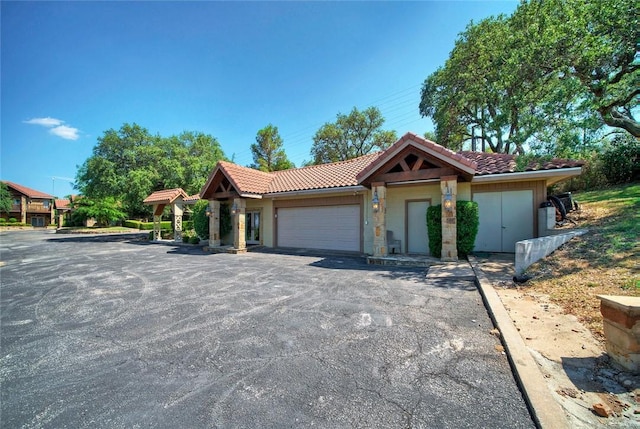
[{"x": 177, "y": 198}]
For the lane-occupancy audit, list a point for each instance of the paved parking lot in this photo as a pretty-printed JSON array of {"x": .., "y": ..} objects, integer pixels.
[{"x": 115, "y": 332}]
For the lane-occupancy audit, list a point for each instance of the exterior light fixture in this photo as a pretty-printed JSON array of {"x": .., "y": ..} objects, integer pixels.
[
  {"x": 375, "y": 202},
  {"x": 448, "y": 203},
  {"x": 234, "y": 209},
  {"x": 208, "y": 213}
]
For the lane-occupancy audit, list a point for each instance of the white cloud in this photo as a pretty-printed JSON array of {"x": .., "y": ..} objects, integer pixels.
[
  {"x": 46, "y": 122},
  {"x": 57, "y": 129},
  {"x": 68, "y": 133}
]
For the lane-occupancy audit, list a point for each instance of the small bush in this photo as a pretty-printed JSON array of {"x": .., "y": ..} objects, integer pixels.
[
  {"x": 187, "y": 225},
  {"x": 3, "y": 220},
  {"x": 467, "y": 221},
  {"x": 132, "y": 224},
  {"x": 150, "y": 235},
  {"x": 621, "y": 162},
  {"x": 148, "y": 226},
  {"x": 13, "y": 220},
  {"x": 200, "y": 219},
  {"x": 194, "y": 240}
]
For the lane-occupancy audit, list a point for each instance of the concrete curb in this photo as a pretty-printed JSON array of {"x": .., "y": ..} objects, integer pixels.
[{"x": 546, "y": 412}]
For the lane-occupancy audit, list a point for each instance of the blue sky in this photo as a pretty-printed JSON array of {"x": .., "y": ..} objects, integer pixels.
[{"x": 71, "y": 70}]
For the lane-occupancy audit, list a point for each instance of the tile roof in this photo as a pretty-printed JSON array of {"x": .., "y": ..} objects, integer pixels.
[
  {"x": 500, "y": 163},
  {"x": 62, "y": 204},
  {"x": 323, "y": 176},
  {"x": 31, "y": 193},
  {"x": 246, "y": 180},
  {"x": 165, "y": 196},
  {"x": 350, "y": 173},
  {"x": 192, "y": 198}
]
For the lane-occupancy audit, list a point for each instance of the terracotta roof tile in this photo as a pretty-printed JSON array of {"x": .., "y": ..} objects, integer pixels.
[
  {"x": 500, "y": 163},
  {"x": 246, "y": 180},
  {"x": 165, "y": 196},
  {"x": 31, "y": 193},
  {"x": 192, "y": 198},
  {"x": 62, "y": 204},
  {"x": 323, "y": 176}
]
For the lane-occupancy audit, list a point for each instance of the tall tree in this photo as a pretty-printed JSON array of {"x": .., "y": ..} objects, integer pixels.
[
  {"x": 544, "y": 74},
  {"x": 351, "y": 136},
  {"x": 130, "y": 163},
  {"x": 5, "y": 198},
  {"x": 268, "y": 153}
]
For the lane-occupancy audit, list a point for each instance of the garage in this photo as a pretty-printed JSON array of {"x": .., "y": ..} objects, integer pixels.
[
  {"x": 505, "y": 218},
  {"x": 320, "y": 227}
]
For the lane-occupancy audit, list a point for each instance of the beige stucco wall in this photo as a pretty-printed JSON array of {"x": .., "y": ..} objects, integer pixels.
[
  {"x": 265, "y": 206},
  {"x": 397, "y": 196},
  {"x": 396, "y": 208}
]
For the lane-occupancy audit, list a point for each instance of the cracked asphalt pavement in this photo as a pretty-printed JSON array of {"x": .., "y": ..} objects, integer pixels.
[{"x": 112, "y": 332}]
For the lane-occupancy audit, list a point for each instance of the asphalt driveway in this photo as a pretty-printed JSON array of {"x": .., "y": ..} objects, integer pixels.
[{"x": 114, "y": 332}]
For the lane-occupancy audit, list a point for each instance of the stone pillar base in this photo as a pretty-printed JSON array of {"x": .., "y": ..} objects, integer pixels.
[
  {"x": 622, "y": 329},
  {"x": 236, "y": 251}
]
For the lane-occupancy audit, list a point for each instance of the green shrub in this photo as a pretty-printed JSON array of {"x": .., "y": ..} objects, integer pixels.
[
  {"x": 3, "y": 220},
  {"x": 194, "y": 240},
  {"x": 621, "y": 162},
  {"x": 200, "y": 218},
  {"x": 187, "y": 225},
  {"x": 132, "y": 224},
  {"x": 148, "y": 226},
  {"x": 150, "y": 236},
  {"x": 13, "y": 220},
  {"x": 467, "y": 221},
  {"x": 434, "y": 229}
]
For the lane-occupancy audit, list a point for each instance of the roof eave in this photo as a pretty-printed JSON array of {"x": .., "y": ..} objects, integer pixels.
[
  {"x": 552, "y": 176},
  {"x": 337, "y": 189}
]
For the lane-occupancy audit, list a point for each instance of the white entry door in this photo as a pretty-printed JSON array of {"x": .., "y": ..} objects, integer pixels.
[
  {"x": 417, "y": 237},
  {"x": 505, "y": 218}
]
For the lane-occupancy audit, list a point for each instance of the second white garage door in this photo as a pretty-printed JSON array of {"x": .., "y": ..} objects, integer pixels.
[{"x": 324, "y": 227}]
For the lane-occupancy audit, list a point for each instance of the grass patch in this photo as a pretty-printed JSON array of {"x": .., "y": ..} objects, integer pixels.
[
  {"x": 98, "y": 230},
  {"x": 602, "y": 262}
]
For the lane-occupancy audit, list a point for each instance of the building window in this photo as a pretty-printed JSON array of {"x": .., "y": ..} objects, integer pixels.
[
  {"x": 45, "y": 203},
  {"x": 16, "y": 201}
]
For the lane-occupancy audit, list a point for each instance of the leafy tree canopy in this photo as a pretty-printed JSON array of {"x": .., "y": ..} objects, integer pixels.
[
  {"x": 548, "y": 76},
  {"x": 351, "y": 136},
  {"x": 103, "y": 210},
  {"x": 130, "y": 163},
  {"x": 5, "y": 198},
  {"x": 268, "y": 153}
]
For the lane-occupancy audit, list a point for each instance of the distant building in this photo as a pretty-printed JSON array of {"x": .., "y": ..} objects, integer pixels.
[{"x": 29, "y": 206}]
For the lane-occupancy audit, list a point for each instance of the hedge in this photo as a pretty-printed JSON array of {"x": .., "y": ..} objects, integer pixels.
[
  {"x": 146, "y": 226},
  {"x": 467, "y": 221}
]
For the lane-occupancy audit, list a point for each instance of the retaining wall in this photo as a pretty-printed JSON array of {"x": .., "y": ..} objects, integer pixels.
[{"x": 530, "y": 251}]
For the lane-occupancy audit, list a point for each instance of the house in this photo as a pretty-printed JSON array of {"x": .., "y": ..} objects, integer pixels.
[
  {"x": 365, "y": 204},
  {"x": 29, "y": 206}
]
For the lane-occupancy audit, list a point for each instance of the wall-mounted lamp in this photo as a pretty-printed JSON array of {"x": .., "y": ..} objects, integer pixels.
[
  {"x": 208, "y": 213},
  {"x": 375, "y": 202},
  {"x": 448, "y": 203},
  {"x": 234, "y": 209}
]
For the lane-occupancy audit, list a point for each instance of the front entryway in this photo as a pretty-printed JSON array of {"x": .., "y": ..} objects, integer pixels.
[
  {"x": 252, "y": 227},
  {"x": 417, "y": 237},
  {"x": 37, "y": 221},
  {"x": 505, "y": 218}
]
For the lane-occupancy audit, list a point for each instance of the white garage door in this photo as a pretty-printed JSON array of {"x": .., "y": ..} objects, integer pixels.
[
  {"x": 505, "y": 218},
  {"x": 330, "y": 227}
]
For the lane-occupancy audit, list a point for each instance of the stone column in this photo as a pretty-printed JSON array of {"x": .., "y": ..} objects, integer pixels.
[
  {"x": 23, "y": 209},
  {"x": 177, "y": 221},
  {"x": 214, "y": 223},
  {"x": 621, "y": 318},
  {"x": 380, "y": 220},
  {"x": 449, "y": 228},
  {"x": 157, "y": 227},
  {"x": 239, "y": 220},
  {"x": 60, "y": 219}
]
